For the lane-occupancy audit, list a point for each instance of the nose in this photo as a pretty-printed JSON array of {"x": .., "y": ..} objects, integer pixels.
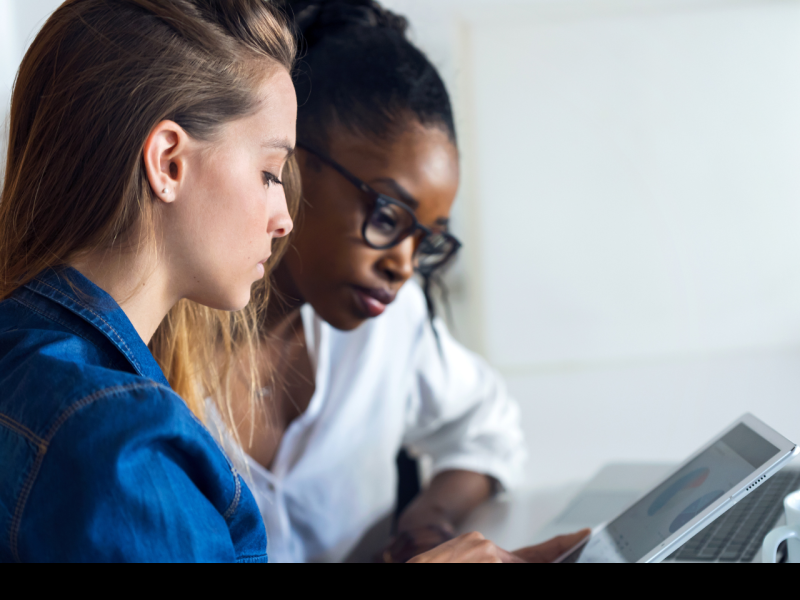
[
  {"x": 280, "y": 221},
  {"x": 397, "y": 264}
]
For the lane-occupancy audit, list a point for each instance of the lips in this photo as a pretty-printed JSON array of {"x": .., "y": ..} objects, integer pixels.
[
  {"x": 266, "y": 260},
  {"x": 373, "y": 301}
]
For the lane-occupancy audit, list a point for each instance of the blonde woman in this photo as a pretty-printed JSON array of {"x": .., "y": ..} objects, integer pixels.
[{"x": 148, "y": 140}]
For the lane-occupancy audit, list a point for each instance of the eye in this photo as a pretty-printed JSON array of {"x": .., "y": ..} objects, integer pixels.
[
  {"x": 385, "y": 219},
  {"x": 270, "y": 179}
]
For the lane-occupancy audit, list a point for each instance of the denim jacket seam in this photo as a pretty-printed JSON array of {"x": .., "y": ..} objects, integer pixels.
[
  {"x": 237, "y": 496},
  {"x": 128, "y": 352},
  {"x": 240, "y": 559},
  {"x": 44, "y": 315},
  {"x": 20, "y": 429},
  {"x": 27, "y": 487}
]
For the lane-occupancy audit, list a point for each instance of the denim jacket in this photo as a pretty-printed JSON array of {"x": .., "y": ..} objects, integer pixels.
[{"x": 99, "y": 459}]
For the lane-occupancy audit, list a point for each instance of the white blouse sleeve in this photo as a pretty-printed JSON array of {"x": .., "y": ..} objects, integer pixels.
[{"x": 459, "y": 411}]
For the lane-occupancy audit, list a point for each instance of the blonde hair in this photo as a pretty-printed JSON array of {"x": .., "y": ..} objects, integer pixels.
[{"x": 97, "y": 79}]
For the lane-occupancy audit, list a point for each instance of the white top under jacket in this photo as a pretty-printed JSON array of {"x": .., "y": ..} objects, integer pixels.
[{"x": 379, "y": 388}]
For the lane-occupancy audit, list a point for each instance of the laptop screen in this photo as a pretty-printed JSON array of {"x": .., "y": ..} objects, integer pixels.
[{"x": 678, "y": 500}]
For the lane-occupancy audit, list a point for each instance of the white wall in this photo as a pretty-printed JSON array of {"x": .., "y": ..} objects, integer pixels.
[
  {"x": 649, "y": 182},
  {"x": 8, "y": 62},
  {"x": 19, "y": 22},
  {"x": 630, "y": 207},
  {"x": 9, "y": 46}
]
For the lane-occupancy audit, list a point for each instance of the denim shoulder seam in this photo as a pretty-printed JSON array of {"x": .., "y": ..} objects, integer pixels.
[
  {"x": 27, "y": 487},
  {"x": 20, "y": 429},
  {"x": 49, "y": 317},
  {"x": 128, "y": 352},
  {"x": 237, "y": 496}
]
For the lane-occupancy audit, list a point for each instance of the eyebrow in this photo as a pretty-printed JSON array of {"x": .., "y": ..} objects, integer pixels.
[
  {"x": 401, "y": 192},
  {"x": 280, "y": 144}
]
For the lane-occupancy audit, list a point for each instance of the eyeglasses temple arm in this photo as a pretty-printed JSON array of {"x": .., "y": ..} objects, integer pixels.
[{"x": 338, "y": 168}]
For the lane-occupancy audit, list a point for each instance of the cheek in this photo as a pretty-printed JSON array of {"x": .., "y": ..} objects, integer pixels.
[
  {"x": 328, "y": 253},
  {"x": 327, "y": 228},
  {"x": 233, "y": 220}
]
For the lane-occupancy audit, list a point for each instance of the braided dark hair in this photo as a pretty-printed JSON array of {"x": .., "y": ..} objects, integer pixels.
[{"x": 359, "y": 70}]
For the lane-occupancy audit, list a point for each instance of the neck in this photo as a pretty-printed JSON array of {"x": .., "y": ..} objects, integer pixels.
[{"x": 142, "y": 291}]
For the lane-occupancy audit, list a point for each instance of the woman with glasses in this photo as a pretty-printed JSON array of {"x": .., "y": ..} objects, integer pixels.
[{"x": 362, "y": 368}]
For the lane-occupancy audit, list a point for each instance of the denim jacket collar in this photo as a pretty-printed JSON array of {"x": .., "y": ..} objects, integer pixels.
[{"x": 77, "y": 294}]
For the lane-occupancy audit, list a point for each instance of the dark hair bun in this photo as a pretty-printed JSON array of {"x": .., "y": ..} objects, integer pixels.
[{"x": 316, "y": 19}]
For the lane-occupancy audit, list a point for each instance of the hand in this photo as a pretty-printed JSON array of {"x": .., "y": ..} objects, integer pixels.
[
  {"x": 474, "y": 548},
  {"x": 414, "y": 542},
  {"x": 551, "y": 550},
  {"x": 469, "y": 548},
  {"x": 431, "y": 518}
]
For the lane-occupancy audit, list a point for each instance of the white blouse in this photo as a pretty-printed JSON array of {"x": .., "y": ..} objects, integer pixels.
[{"x": 381, "y": 387}]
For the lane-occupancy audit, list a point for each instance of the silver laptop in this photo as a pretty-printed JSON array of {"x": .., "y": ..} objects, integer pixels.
[{"x": 736, "y": 536}]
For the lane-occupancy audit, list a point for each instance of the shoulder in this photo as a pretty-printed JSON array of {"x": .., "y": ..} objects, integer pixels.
[
  {"x": 46, "y": 373},
  {"x": 137, "y": 478},
  {"x": 54, "y": 376},
  {"x": 132, "y": 414},
  {"x": 54, "y": 369}
]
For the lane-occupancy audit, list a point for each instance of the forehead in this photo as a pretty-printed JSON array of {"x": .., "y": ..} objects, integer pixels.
[
  {"x": 423, "y": 161},
  {"x": 275, "y": 113}
]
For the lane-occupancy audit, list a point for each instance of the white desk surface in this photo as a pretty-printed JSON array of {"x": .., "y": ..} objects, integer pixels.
[{"x": 527, "y": 517}]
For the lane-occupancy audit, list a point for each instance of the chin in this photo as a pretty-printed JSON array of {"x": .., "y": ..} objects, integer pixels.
[
  {"x": 229, "y": 303},
  {"x": 344, "y": 321},
  {"x": 239, "y": 303},
  {"x": 336, "y": 309}
]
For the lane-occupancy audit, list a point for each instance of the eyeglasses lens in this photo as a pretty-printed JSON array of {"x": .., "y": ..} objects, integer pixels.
[
  {"x": 434, "y": 251},
  {"x": 387, "y": 225}
]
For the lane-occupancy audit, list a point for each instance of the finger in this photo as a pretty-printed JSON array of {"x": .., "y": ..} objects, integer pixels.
[
  {"x": 573, "y": 539},
  {"x": 469, "y": 548},
  {"x": 414, "y": 542},
  {"x": 552, "y": 549},
  {"x": 447, "y": 552},
  {"x": 414, "y": 550},
  {"x": 510, "y": 557}
]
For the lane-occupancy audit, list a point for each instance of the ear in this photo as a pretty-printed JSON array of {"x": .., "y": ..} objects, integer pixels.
[{"x": 165, "y": 159}]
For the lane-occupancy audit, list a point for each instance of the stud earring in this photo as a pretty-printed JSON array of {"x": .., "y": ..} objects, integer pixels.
[{"x": 165, "y": 191}]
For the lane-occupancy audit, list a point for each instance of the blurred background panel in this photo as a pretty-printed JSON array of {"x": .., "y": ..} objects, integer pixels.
[
  {"x": 20, "y": 20},
  {"x": 638, "y": 182},
  {"x": 630, "y": 208}
]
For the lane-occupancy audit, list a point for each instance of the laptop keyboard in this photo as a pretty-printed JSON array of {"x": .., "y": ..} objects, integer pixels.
[{"x": 738, "y": 534}]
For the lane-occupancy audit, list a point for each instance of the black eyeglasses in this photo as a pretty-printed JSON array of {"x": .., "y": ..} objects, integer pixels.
[{"x": 391, "y": 221}]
